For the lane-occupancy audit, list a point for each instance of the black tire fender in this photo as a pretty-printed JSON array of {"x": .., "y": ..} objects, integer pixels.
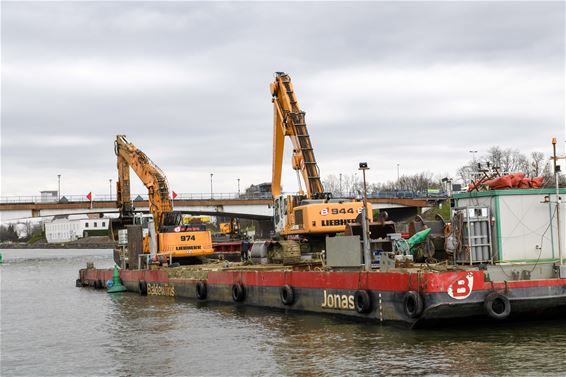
[
  {"x": 201, "y": 290},
  {"x": 98, "y": 284},
  {"x": 413, "y": 304},
  {"x": 497, "y": 306},
  {"x": 287, "y": 295},
  {"x": 362, "y": 301},
  {"x": 238, "y": 292},
  {"x": 143, "y": 287}
]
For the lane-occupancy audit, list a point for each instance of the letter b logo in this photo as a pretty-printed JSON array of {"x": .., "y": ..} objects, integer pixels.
[{"x": 461, "y": 288}]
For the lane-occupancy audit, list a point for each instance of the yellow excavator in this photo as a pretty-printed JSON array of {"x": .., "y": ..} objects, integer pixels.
[
  {"x": 313, "y": 214},
  {"x": 175, "y": 236}
]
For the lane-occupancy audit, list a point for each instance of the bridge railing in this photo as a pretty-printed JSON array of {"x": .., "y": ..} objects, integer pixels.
[
  {"x": 396, "y": 195},
  {"x": 215, "y": 196},
  {"x": 135, "y": 197}
]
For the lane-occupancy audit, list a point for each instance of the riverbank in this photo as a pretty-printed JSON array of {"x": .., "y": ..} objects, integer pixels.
[{"x": 93, "y": 242}]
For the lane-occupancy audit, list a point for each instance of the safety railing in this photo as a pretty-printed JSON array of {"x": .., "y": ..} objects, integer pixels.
[
  {"x": 135, "y": 197},
  {"x": 216, "y": 196}
]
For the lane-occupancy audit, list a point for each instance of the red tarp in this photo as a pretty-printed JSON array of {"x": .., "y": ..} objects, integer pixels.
[{"x": 515, "y": 180}]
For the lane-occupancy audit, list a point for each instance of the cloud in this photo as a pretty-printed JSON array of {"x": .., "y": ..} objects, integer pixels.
[
  {"x": 102, "y": 76},
  {"x": 413, "y": 83}
]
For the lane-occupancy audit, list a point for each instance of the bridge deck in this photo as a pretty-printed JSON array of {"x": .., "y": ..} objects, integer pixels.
[{"x": 14, "y": 206}]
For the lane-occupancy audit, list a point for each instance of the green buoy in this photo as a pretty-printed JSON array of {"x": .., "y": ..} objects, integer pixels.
[
  {"x": 1, "y": 258},
  {"x": 116, "y": 282}
]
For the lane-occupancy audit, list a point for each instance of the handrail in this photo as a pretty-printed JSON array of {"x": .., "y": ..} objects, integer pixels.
[{"x": 215, "y": 196}]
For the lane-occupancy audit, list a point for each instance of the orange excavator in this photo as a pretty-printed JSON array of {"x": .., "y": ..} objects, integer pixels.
[
  {"x": 174, "y": 235},
  {"x": 313, "y": 214}
]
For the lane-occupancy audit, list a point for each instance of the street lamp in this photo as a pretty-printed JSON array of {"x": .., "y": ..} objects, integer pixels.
[
  {"x": 474, "y": 163},
  {"x": 110, "y": 180},
  {"x": 211, "y": 195},
  {"x": 238, "y": 187},
  {"x": 397, "y": 173},
  {"x": 340, "y": 184},
  {"x": 58, "y": 187},
  {"x": 365, "y": 220},
  {"x": 474, "y": 155}
]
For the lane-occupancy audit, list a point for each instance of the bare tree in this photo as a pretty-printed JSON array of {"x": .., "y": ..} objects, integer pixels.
[
  {"x": 351, "y": 185},
  {"x": 537, "y": 164},
  {"x": 494, "y": 156},
  {"x": 464, "y": 172},
  {"x": 510, "y": 161},
  {"x": 332, "y": 184},
  {"x": 420, "y": 182}
]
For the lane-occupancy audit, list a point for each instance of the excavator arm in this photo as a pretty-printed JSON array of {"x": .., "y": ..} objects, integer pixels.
[
  {"x": 129, "y": 156},
  {"x": 289, "y": 120}
]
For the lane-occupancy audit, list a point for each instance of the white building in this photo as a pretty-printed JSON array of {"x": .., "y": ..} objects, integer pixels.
[
  {"x": 49, "y": 196},
  {"x": 64, "y": 228}
]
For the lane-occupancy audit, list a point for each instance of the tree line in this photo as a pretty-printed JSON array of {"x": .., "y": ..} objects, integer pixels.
[
  {"x": 507, "y": 161},
  {"x": 20, "y": 232}
]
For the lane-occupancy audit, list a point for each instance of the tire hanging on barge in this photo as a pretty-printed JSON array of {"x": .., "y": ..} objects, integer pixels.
[
  {"x": 497, "y": 306},
  {"x": 287, "y": 295},
  {"x": 413, "y": 304},
  {"x": 238, "y": 292},
  {"x": 201, "y": 290},
  {"x": 362, "y": 301},
  {"x": 142, "y": 285}
]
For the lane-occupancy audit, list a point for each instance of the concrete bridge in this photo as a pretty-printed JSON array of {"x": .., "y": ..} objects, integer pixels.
[{"x": 258, "y": 206}]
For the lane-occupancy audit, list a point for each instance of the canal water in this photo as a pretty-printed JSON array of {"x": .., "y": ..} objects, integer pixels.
[{"x": 50, "y": 328}]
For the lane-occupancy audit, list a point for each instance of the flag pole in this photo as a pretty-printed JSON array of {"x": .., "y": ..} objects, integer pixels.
[{"x": 89, "y": 197}]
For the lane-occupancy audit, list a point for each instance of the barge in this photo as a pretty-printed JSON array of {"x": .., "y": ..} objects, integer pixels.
[{"x": 503, "y": 263}]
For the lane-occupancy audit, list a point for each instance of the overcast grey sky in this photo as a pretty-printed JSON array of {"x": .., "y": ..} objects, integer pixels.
[{"x": 414, "y": 83}]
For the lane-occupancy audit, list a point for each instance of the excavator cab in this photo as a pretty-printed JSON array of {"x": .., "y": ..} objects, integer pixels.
[{"x": 183, "y": 238}]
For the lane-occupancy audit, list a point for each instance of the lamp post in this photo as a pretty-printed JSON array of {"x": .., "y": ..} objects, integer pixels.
[
  {"x": 474, "y": 163},
  {"x": 365, "y": 220},
  {"x": 562, "y": 268},
  {"x": 238, "y": 187},
  {"x": 340, "y": 184},
  {"x": 211, "y": 195},
  {"x": 474, "y": 156},
  {"x": 397, "y": 173},
  {"x": 110, "y": 181},
  {"x": 58, "y": 187}
]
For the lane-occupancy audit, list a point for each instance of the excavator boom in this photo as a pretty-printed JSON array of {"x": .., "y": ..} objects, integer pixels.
[{"x": 289, "y": 120}]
